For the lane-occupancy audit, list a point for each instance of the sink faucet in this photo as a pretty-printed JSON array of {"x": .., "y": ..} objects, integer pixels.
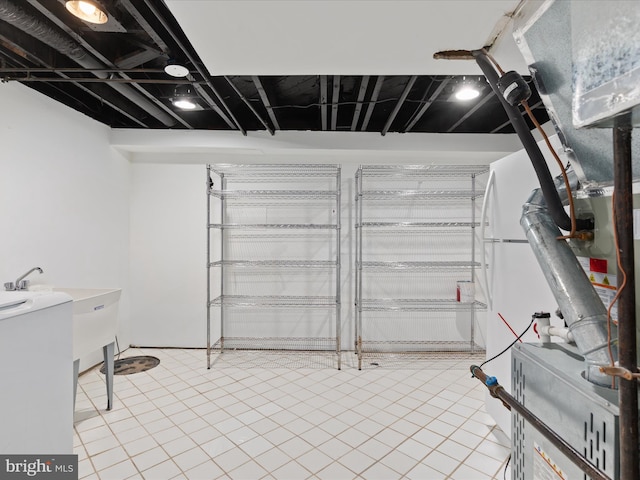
[{"x": 21, "y": 283}]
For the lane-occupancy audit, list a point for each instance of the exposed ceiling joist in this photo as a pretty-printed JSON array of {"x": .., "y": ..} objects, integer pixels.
[
  {"x": 372, "y": 102},
  {"x": 364, "y": 83},
  {"x": 191, "y": 57},
  {"x": 249, "y": 106},
  {"x": 522, "y": 112},
  {"x": 117, "y": 76},
  {"x": 398, "y": 106},
  {"x": 323, "y": 101},
  {"x": 473, "y": 110},
  {"x": 334, "y": 101},
  {"x": 112, "y": 101},
  {"x": 423, "y": 109},
  {"x": 265, "y": 100}
]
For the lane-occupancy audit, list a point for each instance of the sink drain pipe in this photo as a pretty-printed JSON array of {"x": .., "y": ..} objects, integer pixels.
[{"x": 497, "y": 391}]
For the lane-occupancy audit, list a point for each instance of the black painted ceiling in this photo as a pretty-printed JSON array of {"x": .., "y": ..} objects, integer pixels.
[{"x": 114, "y": 74}]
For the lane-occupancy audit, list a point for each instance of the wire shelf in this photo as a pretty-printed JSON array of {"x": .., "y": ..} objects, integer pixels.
[
  {"x": 274, "y": 301},
  {"x": 249, "y": 194},
  {"x": 421, "y": 194},
  {"x": 418, "y": 224},
  {"x": 324, "y": 344},
  {"x": 276, "y": 263},
  {"x": 276, "y": 226},
  {"x": 451, "y": 265},
  {"x": 271, "y": 171},
  {"x": 266, "y": 216},
  {"x": 421, "y": 349},
  {"x": 422, "y": 170},
  {"x": 419, "y": 305}
]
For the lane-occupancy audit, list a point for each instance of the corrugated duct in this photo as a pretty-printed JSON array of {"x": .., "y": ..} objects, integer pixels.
[
  {"x": 580, "y": 304},
  {"x": 43, "y": 31}
]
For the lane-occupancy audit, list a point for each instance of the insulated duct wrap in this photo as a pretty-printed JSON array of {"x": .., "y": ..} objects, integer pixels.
[
  {"x": 580, "y": 304},
  {"x": 24, "y": 21},
  {"x": 47, "y": 33}
]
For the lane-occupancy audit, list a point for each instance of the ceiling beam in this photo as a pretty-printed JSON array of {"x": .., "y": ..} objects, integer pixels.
[
  {"x": 473, "y": 110},
  {"x": 364, "y": 83},
  {"x": 426, "y": 105},
  {"x": 248, "y": 104},
  {"x": 522, "y": 112},
  {"x": 265, "y": 100},
  {"x": 64, "y": 79},
  {"x": 323, "y": 102},
  {"x": 334, "y": 102},
  {"x": 149, "y": 30},
  {"x": 135, "y": 13},
  {"x": 203, "y": 73},
  {"x": 139, "y": 57},
  {"x": 398, "y": 106},
  {"x": 162, "y": 109},
  {"x": 372, "y": 102},
  {"x": 101, "y": 97}
]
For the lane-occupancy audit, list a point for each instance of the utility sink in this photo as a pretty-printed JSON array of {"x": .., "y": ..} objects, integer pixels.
[{"x": 95, "y": 324}]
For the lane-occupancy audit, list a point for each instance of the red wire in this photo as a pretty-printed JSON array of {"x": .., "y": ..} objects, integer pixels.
[{"x": 509, "y": 327}]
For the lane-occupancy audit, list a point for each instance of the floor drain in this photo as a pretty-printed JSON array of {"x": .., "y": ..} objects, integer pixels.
[{"x": 127, "y": 366}]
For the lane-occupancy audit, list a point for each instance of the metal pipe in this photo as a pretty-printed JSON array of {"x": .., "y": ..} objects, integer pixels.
[
  {"x": 223, "y": 187},
  {"x": 623, "y": 207},
  {"x": 581, "y": 306},
  {"x": 473, "y": 258},
  {"x": 338, "y": 260},
  {"x": 99, "y": 80},
  {"x": 359, "y": 233},
  {"x": 497, "y": 391},
  {"x": 209, "y": 186},
  {"x": 551, "y": 196},
  {"x": 44, "y": 32}
]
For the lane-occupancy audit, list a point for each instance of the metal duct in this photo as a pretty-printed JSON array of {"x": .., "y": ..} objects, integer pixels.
[
  {"x": 581, "y": 306},
  {"x": 44, "y": 32}
]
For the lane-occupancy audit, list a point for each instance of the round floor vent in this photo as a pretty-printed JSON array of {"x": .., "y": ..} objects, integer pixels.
[{"x": 127, "y": 366}]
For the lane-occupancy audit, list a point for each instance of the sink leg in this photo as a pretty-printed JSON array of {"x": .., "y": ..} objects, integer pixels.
[
  {"x": 76, "y": 371},
  {"x": 107, "y": 352}
]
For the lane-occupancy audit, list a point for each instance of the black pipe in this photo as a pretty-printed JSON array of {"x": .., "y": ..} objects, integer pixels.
[
  {"x": 538, "y": 161},
  {"x": 628, "y": 389},
  {"x": 497, "y": 391}
]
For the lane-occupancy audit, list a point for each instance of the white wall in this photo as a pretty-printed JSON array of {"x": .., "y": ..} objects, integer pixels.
[
  {"x": 168, "y": 255},
  {"x": 168, "y": 244},
  {"x": 64, "y": 199}
]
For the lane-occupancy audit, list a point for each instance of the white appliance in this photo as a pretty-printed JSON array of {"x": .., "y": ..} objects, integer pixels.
[
  {"x": 516, "y": 285},
  {"x": 36, "y": 371}
]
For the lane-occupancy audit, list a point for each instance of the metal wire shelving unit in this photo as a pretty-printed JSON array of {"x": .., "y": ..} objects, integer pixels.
[
  {"x": 273, "y": 253},
  {"x": 415, "y": 239}
]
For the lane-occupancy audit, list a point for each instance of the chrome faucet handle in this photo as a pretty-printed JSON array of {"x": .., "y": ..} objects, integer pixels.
[
  {"x": 23, "y": 285},
  {"x": 9, "y": 286}
]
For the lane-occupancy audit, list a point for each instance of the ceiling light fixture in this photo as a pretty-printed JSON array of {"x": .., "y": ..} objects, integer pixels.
[
  {"x": 467, "y": 92},
  {"x": 175, "y": 69},
  {"x": 88, "y": 10},
  {"x": 184, "y": 97}
]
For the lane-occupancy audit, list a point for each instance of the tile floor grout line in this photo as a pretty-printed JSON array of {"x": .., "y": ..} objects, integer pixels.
[{"x": 283, "y": 375}]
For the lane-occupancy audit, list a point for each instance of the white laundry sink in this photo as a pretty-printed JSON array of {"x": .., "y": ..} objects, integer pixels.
[
  {"x": 95, "y": 324},
  {"x": 95, "y": 318}
]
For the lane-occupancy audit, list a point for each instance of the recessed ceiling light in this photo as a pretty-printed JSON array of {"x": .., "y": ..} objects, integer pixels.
[
  {"x": 184, "y": 98},
  {"x": 176, "y": 70},
  {"x": 88, "y": 10},
  {"x": 467, "y": 92},
  {"x": 184, "y": 103}
]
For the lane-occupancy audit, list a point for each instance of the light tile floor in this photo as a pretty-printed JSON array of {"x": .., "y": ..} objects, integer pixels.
[{"x": 284, "y": 416}]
